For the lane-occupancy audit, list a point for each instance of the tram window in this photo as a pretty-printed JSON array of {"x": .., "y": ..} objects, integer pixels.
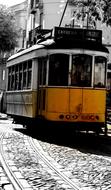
[
  {"x": 20, "y": 76},
  {"x": 29, "y": 74},
  {"x": 13, "y": 78},
  {"x": 24, "y": 75},
  {"x": 16, "y": 77},
  {"x": 58, "y": 69},
  {"x": 81, "y": 70},
  {"x": 42, "y": 70},
  {"x": 9, "y": 78},
  {"x": 99, "y": 71}
]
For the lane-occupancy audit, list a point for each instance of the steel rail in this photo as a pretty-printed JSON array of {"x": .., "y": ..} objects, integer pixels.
[
  {"x": 12, "y": 178},
  {"x": 38, "y": 150}
]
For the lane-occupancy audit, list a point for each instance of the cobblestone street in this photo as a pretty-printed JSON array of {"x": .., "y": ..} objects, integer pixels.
[
  {"x": 85, "y": 169},
  {"x": 90, "y": 170}
]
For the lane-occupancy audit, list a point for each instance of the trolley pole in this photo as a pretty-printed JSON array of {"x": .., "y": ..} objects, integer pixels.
[
  {"x": 63, "y": 13},
  {"x": 87, "y": 13}
]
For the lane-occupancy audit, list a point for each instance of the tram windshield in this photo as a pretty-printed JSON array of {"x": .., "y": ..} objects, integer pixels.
[
  {"x": 58, "y": 69},
  {"x": 81, "y": 70},
  {"x": 99, "y": 71}
]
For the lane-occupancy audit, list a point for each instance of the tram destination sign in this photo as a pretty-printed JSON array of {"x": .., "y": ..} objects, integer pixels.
[{"x": 78, "y": 34}]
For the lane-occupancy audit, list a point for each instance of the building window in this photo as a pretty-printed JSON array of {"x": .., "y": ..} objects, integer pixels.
[{"x": 32, "y": 4}]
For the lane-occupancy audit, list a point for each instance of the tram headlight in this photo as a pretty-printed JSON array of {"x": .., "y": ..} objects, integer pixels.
[
  {"x": 97, "y": 117},
  {"x": 61, "y": 116}
]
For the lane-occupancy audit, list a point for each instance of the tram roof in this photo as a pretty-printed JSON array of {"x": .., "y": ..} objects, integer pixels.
[
  {"x": 25, "y": 51},
  {"x": 78, "y": 44},
  {"x": 63, "y": 44}
]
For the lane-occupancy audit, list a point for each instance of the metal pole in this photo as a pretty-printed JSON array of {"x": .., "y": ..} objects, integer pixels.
[
  {"x": 63, "y": 12},
  {"x": 88, "y": 15}
]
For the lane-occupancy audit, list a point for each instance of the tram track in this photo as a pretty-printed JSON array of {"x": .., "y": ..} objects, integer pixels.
[
  {"x": 14, "y": 182},
  {"x": 87, "y": 168},
  {"x": 37, "y": 148}
]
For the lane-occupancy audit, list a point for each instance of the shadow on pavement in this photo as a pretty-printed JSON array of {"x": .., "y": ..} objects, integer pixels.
[{"x": 66, "y": 136}]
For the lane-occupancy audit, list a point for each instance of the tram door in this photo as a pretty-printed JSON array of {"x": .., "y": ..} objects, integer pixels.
[
  {"x": 80, "y": 78},
  {"x": 42, "y": 62}
]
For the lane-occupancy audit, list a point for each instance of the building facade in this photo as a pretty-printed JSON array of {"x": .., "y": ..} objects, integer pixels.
[
  {"x": 20, "y": 14},
  {"x": 45, "y": 14}
]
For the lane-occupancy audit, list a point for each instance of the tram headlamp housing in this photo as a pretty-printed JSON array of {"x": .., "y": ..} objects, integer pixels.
[{"x": 61, "y": 116}]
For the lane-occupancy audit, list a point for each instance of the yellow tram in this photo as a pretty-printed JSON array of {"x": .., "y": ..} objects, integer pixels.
[{"x": 61, "y": 79}]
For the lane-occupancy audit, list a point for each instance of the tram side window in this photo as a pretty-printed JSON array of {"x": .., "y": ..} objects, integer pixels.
[
  {"x": 42, "y": 65},
  {"x": 58, "y": 69},
  {"x": 9, "y": 78},
  {"x": 29, "y": 77},
  {"x": 19, "y": 76},
  {"x": 16, "y": 77},
  {"x": 81, "y": 70},
  {"x": 100, "y": 72},
  {"x": 25, "y": 75},
  {"x": 13, "y": 78}
]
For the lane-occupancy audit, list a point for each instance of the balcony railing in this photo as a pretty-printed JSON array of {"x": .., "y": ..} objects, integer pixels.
[{"x": 38, "y": 35}]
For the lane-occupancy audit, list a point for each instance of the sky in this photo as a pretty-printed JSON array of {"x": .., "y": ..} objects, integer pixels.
[{"x": 9, "y": 3}]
